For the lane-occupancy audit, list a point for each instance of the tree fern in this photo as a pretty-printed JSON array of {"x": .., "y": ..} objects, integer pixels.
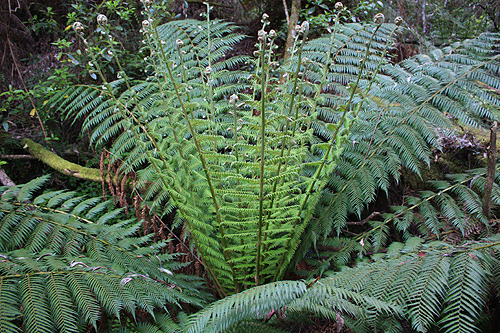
[
  {"x": 187, "y": 141},
  {"x": 244, "y": 172}
]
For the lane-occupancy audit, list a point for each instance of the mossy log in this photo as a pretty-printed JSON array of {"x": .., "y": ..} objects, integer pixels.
[{"x": 59, "y": 164}]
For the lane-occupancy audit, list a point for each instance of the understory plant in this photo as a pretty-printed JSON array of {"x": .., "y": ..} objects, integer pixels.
[
  {"x": 233, "y": 152},
  {"x": 263, "y": 164}
]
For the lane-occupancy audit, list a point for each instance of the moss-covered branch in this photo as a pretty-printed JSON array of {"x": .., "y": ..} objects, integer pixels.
[{"x": 59, "y": 164}]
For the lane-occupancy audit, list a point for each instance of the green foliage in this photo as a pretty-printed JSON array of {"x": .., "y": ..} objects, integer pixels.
[
  {"x": 124, "y": 21},
  {"x": 12, "y": 97},
  {"x": 429, "y": 284},
  {"x": 263, "y": 164},
  {"x": 44, "y": 22},
  {"x": 244, "y": 175},
  {"x": 403, "y": 120},
  {"x": 66, "y": 262},
  {"x": 320, "y": 13},
  {"x": 457, "y": 20}
]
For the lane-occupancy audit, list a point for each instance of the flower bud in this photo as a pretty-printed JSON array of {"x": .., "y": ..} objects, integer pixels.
[
  {"x": 208, "y": 70},
  {"x": 145, "y": 25},
  {"x": 78, "y": 27},
  {"x": 379, "y": 18},
  {"x": 102, "y": 19},
  {"x": 339, "y": 6},
  {"x": 398, "y": 20},
  {"x": 265, "y": 17},
  {"x": 272, "y": 34},
  {"x": 179, "y": 43}
]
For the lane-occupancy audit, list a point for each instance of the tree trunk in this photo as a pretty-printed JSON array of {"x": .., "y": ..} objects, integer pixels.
[
  {"x": 294, "y": 20},
  {"x": 424, "y": 19},
  {"x": 5, "y": 180},
  {"x": 492, "y": 161}
]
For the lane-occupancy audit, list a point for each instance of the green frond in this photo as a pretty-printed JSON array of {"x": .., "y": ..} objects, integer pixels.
[
  {"x": 61, "y": 304},
  {"x": 427, "y": 291},
  {"x": 253, "y": 303},
  {"x": 84, "y": 300},
  {"x": 35, "y": 308},
  {"x": 466, "y": 295},
  {"x": 9, "y": 305},
  {"x": 61, "y": 270}
]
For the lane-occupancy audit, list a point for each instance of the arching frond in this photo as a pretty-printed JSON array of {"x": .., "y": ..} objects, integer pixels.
[
  {"x": 65, "y": 265},
  {"x": 428, "y": 284}
]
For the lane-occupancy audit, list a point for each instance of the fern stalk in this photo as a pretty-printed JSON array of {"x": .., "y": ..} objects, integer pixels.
[
  {"x": 260, "y": 225},
  {"x": 284, "y": 141},
  {"x": 326, "y": 65}
]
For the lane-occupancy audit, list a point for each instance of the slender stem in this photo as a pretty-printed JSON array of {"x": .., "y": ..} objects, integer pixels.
[
  {"x": 296, "y": 74},
  {"x": 26, "y": 89},
  {"x": 210, "y": 110},
  {"x": 319, "y": 87},
  {"x": 490, "y": 179},
  {"x": 284, "y": 141},
  {"x": 235, "y": 130},
  {"x": 262, "y": 159}
]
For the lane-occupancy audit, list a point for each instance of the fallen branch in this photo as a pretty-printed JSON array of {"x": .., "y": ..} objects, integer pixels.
[
  {"x": 5, "y": 180},
  {"x": 59, "y": 164},
  {"x": 16, "y": 157},
  {"x": 371, "y": 216}
]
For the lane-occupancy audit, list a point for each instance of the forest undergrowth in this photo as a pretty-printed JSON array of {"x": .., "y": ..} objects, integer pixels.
[{"x": 251, "y": 193}]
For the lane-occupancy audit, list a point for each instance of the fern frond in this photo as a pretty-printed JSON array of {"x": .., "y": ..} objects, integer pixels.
[
  {"x": 250, "y": 304},
  {"x": 71, "y": 270},
  {"x": 466, "y": 295}
]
